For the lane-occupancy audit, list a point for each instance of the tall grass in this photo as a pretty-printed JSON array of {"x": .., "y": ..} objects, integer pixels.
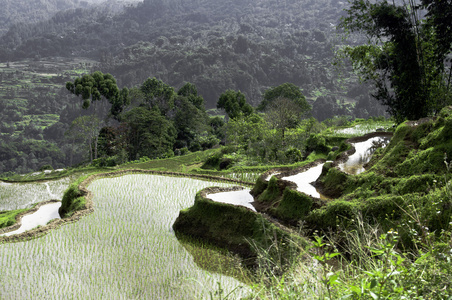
[
  {"x": 364, "y": 263},
  {"x": 125, "y": 249}
]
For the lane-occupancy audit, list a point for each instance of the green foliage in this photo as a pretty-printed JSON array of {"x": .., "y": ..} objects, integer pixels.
[
  {"x": 190, "y": 91},
  {"x": 293, "y": 155},
  {"x": 213, "y": 161},
  {"x": 285, "y": 90},
  {"x": 293, "y": 205},
  {"x": 238, "y": 229},
  {"x": 334, "y": 181},
  {"x": 383, "y": 209},
  {"x": 45, "y": 167},
  {"x": 259, "y": 186},
  {"x": 8, "y": 218},
  {"x": 317, "y": 143},
  {"x": 97, "y": 85},
  {"x": 404, "y": 58},
  {"x": 272, "y": 193},
  {"x": 336, "y": 214},
  {"x": 150, "y": 133},
  {"x": 73, "y": 200},
  {"x": 158, "y": 94},
  {"x": 234, "y": 103}
]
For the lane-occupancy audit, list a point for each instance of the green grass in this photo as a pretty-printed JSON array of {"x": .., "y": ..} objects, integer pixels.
[
  {"x": 183, "y": 163},
  {"x": 8, "y": 218}
]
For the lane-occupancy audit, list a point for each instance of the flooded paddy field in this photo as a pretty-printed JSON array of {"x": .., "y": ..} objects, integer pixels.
[
  {"x": 23, "y": 195},
  {"x": 125, "y": 249}
]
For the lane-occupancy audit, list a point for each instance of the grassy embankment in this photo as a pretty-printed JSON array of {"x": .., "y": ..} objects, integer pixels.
[{"x": 388, "y": 229}]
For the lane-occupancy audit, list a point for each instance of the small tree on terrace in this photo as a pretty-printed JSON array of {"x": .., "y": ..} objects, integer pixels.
[{"x": 284, "y": 106}]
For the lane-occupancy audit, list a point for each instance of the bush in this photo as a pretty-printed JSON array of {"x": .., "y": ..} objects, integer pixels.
[
  {"x": 213, "y": 162},
  {"x": 72, "y": 201},
  {"x": 317, "y": 143},
  {"x": 45, "y": 167},
  {"x": 293, "y": 155},
  {"x": 272, "y": 192},
  {"x": 294, "y": 205}
]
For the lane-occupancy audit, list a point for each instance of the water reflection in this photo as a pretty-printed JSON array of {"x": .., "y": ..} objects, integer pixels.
[
  {"x": 304, "y": 179},
  {"x": 364, "y": 151},
  {"x": 39, "y": 218},
  {"x": 242, "y": 198}
]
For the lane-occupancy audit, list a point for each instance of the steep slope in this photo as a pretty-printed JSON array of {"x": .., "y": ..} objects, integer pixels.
[{"x": 217, "y": 45}]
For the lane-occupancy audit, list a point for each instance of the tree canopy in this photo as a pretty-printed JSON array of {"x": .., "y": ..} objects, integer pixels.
[
  {"x": 158, "y": 94},
  {"x": 404, "y": 56},
  {"x": 285, "y": 90},
  {"x": 97, "y": 85},
  {"x": 234, "y": 103}
]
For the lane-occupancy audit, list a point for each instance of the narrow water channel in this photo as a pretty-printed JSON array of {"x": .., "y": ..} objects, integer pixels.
[
  {"x": 40, "y": 217},
  {"x": 364, "y": 151}
]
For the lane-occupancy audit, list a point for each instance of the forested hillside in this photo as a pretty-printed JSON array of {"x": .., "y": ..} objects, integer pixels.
[
  {"x": 217, "y": 45},
  {"x": 29, "y": 12}
]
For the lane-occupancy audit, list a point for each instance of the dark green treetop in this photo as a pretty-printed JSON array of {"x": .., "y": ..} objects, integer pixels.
[
  {"x": 190, "y": 91},
  {"x": 285, "y": 90},
  {"x": 234, "y": 103},
  {"x": 158, "y": 94},
  {"x": 94, "y": 86}
]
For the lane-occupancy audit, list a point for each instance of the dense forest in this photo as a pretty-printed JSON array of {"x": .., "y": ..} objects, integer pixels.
[
  {"x": 216, "y": 45},
  {"x": 185, "y": 55},
  {"x": 29, "y": 12}
]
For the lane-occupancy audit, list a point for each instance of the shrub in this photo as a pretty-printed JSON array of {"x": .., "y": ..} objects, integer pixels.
[
  {"x": 72, "y": 201},
  {"x": 294, "y": 205},
  {"x": 336, "y": 213},
  {"x": 45, "y": 167},
  {"x": 272, "y": 192},
  {"x": 293, "y": 155},
  {"x": 213, "y": 161},
  {"x": 316, "y": 142}
]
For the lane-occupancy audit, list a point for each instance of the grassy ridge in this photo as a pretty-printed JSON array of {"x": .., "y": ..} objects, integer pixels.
[{"x": 8, "y": 218}]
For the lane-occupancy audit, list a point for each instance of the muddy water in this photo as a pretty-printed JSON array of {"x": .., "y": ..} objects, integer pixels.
[
  {"x": 241, "y": 198},
  {"x": 304, "y": 179},
  {"x": 39, "y": 218},
  {"x": 364, "y": 151}
]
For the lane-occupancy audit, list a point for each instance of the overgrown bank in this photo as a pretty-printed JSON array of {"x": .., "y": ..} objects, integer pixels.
[
  {"x": 77, "y": 201},
  {"x": 237, "y": 229}
]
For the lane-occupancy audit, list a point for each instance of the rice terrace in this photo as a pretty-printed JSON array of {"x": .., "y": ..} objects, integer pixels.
[
  {"x": 226, "y": 149},
  {"x": 136, "y": 233}
]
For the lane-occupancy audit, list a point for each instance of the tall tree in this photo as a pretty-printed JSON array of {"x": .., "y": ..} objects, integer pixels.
[
  {"x": 158, "y": 94},
  {"x": 285, "y": 106},
  {"x": 97, "y": 85},
  {"x": 234, "y": 103},
  {"x": 190, "y": 91},
  {"x": 150, "y": 134},
  {"x": 86, "y": 128},
  {"x": 404, "y": 56},
  {"x": 286, "y": 90}
]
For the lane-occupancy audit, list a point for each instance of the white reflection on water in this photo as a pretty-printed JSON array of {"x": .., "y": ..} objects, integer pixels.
[
  {"x": 303, "y": 181},
  {"x": 364, "y": 150},
  {"x": 241, "y": 198},
  {"x": 41, "y": 217}
]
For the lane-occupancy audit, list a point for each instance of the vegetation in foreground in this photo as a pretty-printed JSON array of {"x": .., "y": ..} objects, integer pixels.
[{"x": 355, "y": 257}]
